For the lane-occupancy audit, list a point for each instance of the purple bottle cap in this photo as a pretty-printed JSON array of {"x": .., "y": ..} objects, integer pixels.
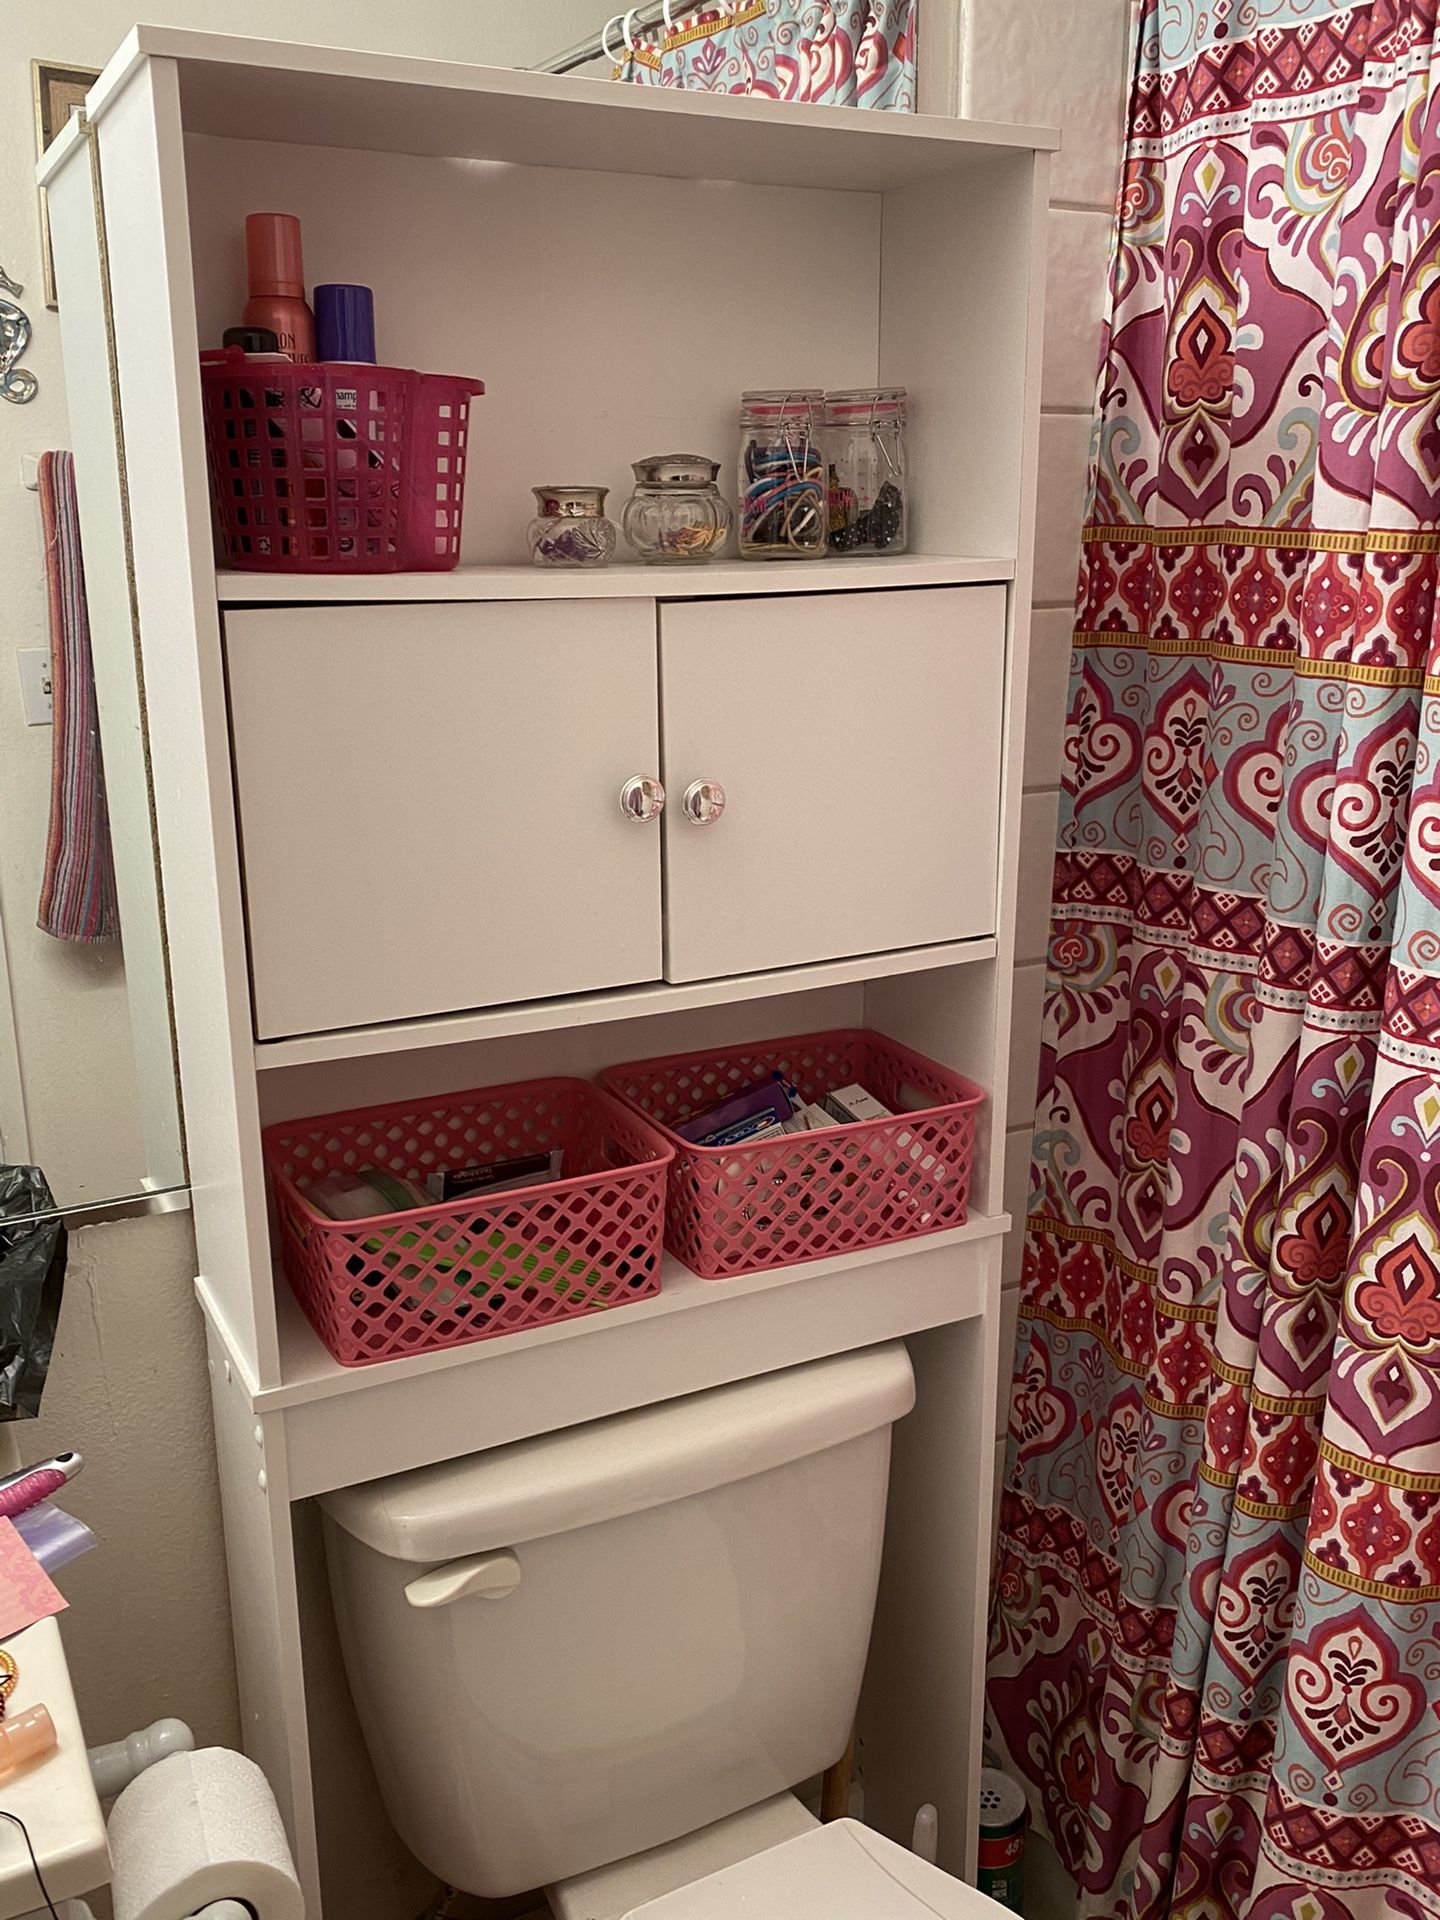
[{"x": 344, "y": 323}]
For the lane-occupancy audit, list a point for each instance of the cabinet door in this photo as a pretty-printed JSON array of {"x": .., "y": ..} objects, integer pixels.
[
  {"x": 429, "y": 805},
  {"x": 856, "y": 737}
]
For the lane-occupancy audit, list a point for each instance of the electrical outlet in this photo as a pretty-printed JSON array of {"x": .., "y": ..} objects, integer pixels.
[{"x": 37, "y": 694}]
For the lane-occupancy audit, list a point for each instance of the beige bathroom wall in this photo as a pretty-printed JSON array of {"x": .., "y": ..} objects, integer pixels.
[{"x": 148, "y": 1630}]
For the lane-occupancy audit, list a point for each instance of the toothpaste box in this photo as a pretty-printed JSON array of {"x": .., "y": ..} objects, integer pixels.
[
  {"x": 715, "y": 1127},
  {"x": 759, "y": 1126}
]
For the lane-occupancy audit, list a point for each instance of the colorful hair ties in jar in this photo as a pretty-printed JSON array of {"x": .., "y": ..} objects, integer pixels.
[{"x": 783, "y": 493}]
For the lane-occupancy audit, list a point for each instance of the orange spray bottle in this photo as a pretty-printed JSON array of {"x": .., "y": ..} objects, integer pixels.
[{"x": 277, "y": 283}]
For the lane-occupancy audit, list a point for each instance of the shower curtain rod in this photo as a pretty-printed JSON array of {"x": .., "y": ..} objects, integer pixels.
[{"x": 639, "y": 20}]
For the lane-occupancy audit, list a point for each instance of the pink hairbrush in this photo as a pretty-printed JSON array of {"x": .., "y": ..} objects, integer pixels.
[{"x": 27, "y": 1488}]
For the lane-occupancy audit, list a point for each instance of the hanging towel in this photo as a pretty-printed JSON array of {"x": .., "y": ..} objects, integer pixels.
[{"x": 77, "y": 895}]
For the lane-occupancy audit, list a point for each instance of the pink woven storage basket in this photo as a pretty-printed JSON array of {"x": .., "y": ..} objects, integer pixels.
[
  {"x": 733, "y": 1210},
  {"x": 334, "y": 468},
  {"x": 464, "y": 1270}
]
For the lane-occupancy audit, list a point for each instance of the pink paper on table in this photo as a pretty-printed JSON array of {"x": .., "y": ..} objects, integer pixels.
[{"x": 27, "y": 1593}]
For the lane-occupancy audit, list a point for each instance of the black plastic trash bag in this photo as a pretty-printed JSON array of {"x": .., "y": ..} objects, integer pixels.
[{"x": 32, "y": 1280}]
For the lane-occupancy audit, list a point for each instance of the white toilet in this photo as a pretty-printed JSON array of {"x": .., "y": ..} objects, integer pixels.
[{"x": 597, "y": 1661}]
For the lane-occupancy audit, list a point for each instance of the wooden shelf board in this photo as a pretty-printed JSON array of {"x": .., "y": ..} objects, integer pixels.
[
  {"x": 256, "y": 89},
  {"x": 619, "y": 1003},
  {"x": 718, "y": 579}
]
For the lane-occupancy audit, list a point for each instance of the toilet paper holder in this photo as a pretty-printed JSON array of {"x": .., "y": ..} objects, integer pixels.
[{"x": 114, "y": 1766}]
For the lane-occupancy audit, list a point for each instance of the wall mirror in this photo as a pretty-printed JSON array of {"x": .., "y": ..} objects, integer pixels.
[
  {"x": 88, "y": 1084},
  {"x": 87, "y": 1060}
]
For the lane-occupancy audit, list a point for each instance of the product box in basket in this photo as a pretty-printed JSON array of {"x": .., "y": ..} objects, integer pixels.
[{"x": 785, "y": 1191}]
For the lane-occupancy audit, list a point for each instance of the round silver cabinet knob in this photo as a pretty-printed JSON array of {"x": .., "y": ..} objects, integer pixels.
[
  {"x": 642, "y": 798},
  {"x": 704, "y": 802}
]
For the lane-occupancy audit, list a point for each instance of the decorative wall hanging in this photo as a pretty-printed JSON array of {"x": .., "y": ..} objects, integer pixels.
[{"x": 16, "y": 383}]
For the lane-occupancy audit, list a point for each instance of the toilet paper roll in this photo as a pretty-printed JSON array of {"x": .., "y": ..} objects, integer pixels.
[{"x": 197, "y": 1828}]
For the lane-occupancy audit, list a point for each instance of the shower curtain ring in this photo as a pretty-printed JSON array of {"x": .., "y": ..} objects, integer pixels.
[{"x": 605, "y": 46}]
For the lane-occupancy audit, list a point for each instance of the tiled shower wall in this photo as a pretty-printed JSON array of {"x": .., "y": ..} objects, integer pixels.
[{"x": 1061, "y": 63}]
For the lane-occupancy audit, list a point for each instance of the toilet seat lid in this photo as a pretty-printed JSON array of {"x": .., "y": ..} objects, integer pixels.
[{"x": 842, "y": 1871}]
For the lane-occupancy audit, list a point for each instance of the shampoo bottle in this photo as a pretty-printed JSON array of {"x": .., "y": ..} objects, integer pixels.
[{"x": 277, "y": 283}]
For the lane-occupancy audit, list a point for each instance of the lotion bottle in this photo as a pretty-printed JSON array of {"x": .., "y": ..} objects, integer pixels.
[{"x": 277, "y": 283}]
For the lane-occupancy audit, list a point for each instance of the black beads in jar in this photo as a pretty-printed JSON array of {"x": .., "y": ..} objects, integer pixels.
[{"x": 864, "y": 444}]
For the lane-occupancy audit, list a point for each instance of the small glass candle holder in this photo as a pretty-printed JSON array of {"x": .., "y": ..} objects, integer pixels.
[
  {"x": 570, "y": 529},
  {"x": 676, "y": 513}
]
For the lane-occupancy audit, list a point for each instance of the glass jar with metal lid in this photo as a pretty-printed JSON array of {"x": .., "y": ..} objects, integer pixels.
[
  {"x": 676, "y": 512},
  {"x": 864, "y": 443},
  {"x": 782, "y": 475},
  {"x": 570, "y": 529}
]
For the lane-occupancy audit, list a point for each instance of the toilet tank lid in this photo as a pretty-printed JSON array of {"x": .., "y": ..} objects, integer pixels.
[{"x": 624, "y": 1464}]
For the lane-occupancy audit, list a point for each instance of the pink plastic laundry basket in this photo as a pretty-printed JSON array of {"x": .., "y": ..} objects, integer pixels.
[
  {"x": 441, "y": 1275},
  {"x": 733, "y": 1210},
  {"x": 334, "y": 468}
]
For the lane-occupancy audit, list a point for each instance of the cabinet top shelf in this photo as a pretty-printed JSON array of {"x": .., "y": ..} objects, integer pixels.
[
  {"x": 321, "y": 96},
  {"x": 716, "y": 580}
]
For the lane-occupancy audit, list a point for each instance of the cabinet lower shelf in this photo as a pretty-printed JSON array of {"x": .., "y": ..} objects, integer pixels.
[{"x": 345, "y": 1424}]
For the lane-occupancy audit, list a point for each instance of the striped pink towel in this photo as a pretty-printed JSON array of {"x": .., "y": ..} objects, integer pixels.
[{"x": 77, "y": 895}]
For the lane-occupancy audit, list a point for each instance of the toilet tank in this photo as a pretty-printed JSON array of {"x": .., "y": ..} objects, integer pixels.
[{"x": 568, "y": 1650}]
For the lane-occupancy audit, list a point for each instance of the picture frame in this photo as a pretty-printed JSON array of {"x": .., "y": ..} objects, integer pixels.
[{"x": 59, "y": 91}]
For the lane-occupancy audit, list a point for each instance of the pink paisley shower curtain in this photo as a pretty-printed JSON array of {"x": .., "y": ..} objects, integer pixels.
[
  {"x": 1215, "y": 1654},
  {"x": 831, "y": 53}
]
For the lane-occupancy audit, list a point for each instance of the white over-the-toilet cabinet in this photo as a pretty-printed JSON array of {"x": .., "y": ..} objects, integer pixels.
[{"x": 410, "y": 828}]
